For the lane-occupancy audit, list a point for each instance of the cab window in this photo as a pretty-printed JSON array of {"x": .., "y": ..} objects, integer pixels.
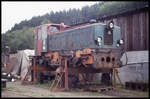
[
  {"x": 44, "y": 33},
  {"x": 53, "y": 29},
  {"x": 39, "y": 34}
]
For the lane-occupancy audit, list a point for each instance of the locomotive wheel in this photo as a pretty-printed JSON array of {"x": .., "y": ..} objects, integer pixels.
[{"x": 106, "y": 79}]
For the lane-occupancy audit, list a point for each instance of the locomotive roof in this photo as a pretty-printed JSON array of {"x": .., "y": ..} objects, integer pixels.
[
  {"x": 69, "y": 28},
  {"x": 56, "y": 25},
  {"x": 84, "y": 25},
  {"x": 79, "y": 26}
]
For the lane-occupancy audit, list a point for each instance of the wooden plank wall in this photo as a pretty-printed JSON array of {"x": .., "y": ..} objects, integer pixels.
[{"x": 134, "y": 30}]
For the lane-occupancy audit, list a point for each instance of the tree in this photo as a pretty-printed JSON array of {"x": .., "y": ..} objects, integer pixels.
[
  {"x": 45, "y": 21},
  {"x": 19, "y": 39}
]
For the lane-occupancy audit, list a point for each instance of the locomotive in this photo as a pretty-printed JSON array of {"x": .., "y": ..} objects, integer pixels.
[{"x": 91, "y": 47}]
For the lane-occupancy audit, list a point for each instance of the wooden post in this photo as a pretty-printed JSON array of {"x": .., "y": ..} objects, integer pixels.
[
  {"x": 66, "y": 75},
  {"x": 118, "y": 77},
  {"x": 34, "y": 69},
  {"x": 114, "y": 79}
]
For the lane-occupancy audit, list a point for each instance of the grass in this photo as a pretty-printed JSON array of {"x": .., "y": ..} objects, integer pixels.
[
  {"x": 7, "y": 89},
  {"x": 51, "y": 95},
  {"x": 76, "y": 92},
  {"x": 145, "y": 93},
  {"x": 44, "y": 85},
  {"x": 12, "y": 89},
  {"x": 17, "y": 90},
  {"x": 79, "y": 92},
  {"x": 97, "y": 81},
  {"x": 85, "y": 93},
  {"x": 136, "y": 92}
]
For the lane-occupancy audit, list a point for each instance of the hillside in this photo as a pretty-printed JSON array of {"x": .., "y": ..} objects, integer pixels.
[{"x": 21, "y": 36}]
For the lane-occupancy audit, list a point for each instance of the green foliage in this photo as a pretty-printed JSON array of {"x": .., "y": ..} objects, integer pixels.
[
  {"x": 45, "y": 21},
  {"x": 19, "y": 39},
  {"x": 44, "y": 85}
]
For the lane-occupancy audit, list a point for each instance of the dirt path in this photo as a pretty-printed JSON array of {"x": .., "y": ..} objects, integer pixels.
[{"x": 15, "y": 89}]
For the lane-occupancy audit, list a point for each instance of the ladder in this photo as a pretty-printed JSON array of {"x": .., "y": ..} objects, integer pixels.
[
  {"x": 24, "y": 81},
  {"x": 56, "y": 81},
  {"x": 115, "y": 73}
]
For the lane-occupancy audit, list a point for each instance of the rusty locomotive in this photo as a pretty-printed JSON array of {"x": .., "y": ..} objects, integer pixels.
[{"x": 85, "y": 48}]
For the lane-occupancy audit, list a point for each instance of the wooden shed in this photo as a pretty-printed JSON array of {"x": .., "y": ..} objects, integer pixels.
[{"x": 134, "y": 22}]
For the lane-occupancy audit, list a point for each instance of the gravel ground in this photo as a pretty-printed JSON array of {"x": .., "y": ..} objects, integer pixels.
[{"x": 15, "y": 89}]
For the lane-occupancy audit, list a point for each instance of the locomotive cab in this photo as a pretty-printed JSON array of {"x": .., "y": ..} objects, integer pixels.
[{"x": 41, "y": 33}]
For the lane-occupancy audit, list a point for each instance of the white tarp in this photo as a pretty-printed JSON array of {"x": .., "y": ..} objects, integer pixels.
[
  {"x": 22, "y": 63},
  {"x": 136, "y": 67},
  {"x": 134, "y": 57},
  {"x": 134, "y": 73}
]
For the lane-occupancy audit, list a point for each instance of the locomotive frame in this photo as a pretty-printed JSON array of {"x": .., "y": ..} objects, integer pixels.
[{"x": 101, "y": 57}]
